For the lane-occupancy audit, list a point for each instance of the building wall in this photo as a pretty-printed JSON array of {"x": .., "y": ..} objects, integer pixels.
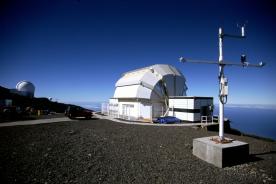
[
  {"x": 135, "y": 109},
  {"x": 145, "y": 111},
  {"x": 128, "y": 110},
  {"x": 124, "y": 108},
  {"x": 190, "y": 108},
  {"x": 186, "y": 108},
  {"x": 158, "y": 109}
]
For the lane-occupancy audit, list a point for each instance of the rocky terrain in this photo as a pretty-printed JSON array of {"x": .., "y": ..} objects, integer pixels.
[{"x": 101, "y": 151}]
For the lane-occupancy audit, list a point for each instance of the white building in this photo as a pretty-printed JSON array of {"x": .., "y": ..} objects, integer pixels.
[
  {"x": 144, "y": 93},
  {"x": 191, "y": 108}
]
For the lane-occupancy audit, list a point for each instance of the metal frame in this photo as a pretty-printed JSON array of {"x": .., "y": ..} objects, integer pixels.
[{"x": 221, "y": 63}]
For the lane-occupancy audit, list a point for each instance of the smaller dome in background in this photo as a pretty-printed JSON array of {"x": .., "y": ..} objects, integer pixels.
[{"x": 26, "y": 88}]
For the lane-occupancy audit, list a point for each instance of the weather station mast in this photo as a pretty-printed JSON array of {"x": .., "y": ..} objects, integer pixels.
[
  {"x": 222, "y": 151},
  {"x": 223, "y": 82}
]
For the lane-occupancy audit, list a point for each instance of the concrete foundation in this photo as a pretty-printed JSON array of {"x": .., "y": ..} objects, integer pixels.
[{"x": 220, "y": 155}]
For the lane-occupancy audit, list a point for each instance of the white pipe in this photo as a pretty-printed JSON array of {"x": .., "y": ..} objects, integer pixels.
[{"x": 221, "y": 106}]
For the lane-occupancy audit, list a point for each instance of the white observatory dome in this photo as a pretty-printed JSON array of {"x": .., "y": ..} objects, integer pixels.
[
  {"x": 25, "y": 88},
  {"x": 153, "y": 82},
  {"x": 144, "y": 93}
]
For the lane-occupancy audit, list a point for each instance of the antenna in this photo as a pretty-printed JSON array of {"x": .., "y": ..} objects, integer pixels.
[
  {"x": 242, "y": 31},
  {"x": 242, "y": 27},
  {"x": 223, "y": 81}
]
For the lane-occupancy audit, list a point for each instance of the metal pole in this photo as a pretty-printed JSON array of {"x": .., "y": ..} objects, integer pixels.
[
  {"x": 223, "y": 83},
  {"x": 221, "y": 75}
]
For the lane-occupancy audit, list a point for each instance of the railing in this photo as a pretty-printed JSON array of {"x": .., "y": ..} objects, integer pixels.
[{"x": 205, "y": 119}]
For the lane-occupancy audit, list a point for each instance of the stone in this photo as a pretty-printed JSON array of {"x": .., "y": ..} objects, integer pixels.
[{"x": 221, "y": 154}]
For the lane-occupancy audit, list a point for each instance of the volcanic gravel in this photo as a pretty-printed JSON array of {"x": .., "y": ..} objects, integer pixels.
[{"x": 102, "y": 151}]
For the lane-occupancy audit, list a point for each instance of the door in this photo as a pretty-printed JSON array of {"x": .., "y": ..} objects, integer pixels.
[
  {"x": 127, "y": 110},
  {"x": 146, "y": 111}
]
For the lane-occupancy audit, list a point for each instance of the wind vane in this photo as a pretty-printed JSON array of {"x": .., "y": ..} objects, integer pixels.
[{"x": 223, "y": 82}]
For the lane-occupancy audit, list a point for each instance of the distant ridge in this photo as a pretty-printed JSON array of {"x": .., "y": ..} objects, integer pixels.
[{"x": 37, "y": 103}]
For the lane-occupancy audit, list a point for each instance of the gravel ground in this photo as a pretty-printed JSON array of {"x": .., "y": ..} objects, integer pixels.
[{"x": 101, "y": 151}]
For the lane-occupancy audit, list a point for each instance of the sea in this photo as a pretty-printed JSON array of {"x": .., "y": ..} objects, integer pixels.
[{"x": 259, "y": 120}]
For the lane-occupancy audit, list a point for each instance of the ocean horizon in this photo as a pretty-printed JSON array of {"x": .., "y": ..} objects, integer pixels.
[
  {"x": 257, "y": 120},
  {"x": 252, "y": 119}
]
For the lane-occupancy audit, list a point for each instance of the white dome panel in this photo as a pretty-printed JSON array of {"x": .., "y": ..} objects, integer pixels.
[{"x": 143, "y": 82}]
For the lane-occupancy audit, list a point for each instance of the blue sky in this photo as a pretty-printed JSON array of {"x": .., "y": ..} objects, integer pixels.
[{"x": 75, "y": 51}]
